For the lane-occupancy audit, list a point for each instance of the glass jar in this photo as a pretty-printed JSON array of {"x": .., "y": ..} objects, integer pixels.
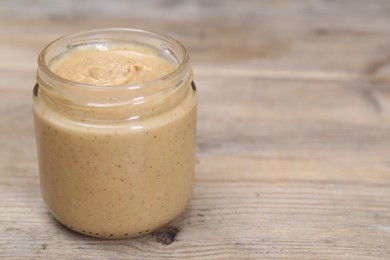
[{"x": 116, "y": 161}]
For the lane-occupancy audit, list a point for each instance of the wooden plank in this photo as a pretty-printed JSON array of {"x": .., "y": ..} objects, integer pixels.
[
  {"x": 228, "y": 220},
  {"x": 282, "y": 36}
]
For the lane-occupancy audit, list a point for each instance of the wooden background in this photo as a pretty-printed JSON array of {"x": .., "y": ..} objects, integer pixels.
[{"x": 293, "y": 158}]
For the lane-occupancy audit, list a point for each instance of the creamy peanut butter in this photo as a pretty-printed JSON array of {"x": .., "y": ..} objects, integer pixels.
[
  {"x": 121, "y": 65},
  {"x": 115, "y": 179}
]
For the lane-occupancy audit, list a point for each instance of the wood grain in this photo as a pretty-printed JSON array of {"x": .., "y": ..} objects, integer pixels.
[{"x": 293, "y": 148}]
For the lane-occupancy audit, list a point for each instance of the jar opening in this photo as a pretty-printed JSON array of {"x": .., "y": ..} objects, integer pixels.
[
  {"x": 114, "y": 102},
  {"x": 166, "y": 45},
  {"x": 64, "y": 92}
]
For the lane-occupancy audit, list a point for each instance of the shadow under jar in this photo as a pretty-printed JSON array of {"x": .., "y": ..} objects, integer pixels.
[{"x": 115, "y": 161}]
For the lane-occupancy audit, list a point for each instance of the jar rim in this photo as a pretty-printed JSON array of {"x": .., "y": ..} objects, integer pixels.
[{"x": 182, "y": 63}]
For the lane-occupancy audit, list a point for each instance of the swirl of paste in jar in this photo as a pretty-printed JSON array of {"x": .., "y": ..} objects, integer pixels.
[{"x": 111, "y": 67}]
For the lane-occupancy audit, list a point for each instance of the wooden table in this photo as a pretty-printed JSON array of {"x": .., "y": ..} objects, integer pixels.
[{"x": 293, "y": 148}]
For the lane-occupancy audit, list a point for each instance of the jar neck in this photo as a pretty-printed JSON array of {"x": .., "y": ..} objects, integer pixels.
[
  {"x": 125, "y": 102},
  {"x": 114, "y": 105}
]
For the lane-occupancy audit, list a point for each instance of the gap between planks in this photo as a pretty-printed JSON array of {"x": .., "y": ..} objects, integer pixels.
[
  {"x": 244, "y": 72},
  {"x": 279, "y": 74}
]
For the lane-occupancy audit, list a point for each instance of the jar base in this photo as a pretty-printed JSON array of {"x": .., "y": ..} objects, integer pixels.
[{"x": 111, "y": 236}]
